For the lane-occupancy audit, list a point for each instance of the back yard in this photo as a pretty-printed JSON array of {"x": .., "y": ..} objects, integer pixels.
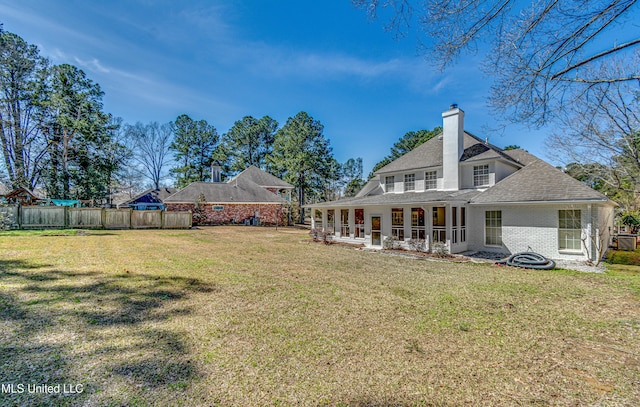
[{"x": 253, "y": 316}]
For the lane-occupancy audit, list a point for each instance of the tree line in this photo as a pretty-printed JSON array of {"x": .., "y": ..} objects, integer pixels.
[{"x": 55, "y": 135}]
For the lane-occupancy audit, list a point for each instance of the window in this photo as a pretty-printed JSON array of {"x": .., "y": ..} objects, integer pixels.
[
  {"x": 493, "y": 228},
  {"x": 344, "y": 223},
  {"x": 454, "y": 225},
  {"x": 417, "y": 223},
  {"x": 397, "y": 223},
  {"x": 569, "y": 229},
  {"x": 359, "y": 230},
  {"x": 480, "y": 175},
  {"x": 439, "y": 224},
  {"x": 317, "y": 217},
  {"x": 331, "y": 221},
  {"x": 389, "y": 184},
  {"x": 463, "y": 224},
  {"x": 410, "y": 182},
  {"x": 431, "y": 180}
]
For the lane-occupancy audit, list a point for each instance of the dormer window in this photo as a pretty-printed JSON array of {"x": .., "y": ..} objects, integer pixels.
[
  {"x": 431, "y": 180},
  {"x": 389, "y": 184},
  {"x": 410, "y": 182},
  {"x": 481, "y": 175}
]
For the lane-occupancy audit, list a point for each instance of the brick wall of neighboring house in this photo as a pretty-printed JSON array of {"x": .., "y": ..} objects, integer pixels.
[{"x": 217, "y": 214}]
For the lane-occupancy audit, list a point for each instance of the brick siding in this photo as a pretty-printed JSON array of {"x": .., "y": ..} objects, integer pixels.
[
  {"x": 524, "y": 228},
  {"x": 232, "y": 213}
]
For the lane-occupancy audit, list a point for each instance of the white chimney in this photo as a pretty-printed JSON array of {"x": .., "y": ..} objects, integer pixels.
[
  {"x": 452, "y": 146},
  {"x": 215, "y": 173}
]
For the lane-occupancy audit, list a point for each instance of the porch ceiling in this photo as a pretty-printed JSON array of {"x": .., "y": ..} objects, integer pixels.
[{"x": 401, "y": 199}]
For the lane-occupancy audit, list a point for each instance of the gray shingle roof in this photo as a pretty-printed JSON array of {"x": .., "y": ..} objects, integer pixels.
[
  {"x": 537, "y": 182},
  {"x": 262, "y": 178},
  {"x": 239, "y": 191},
  {"x": 429, "y": 154},
  {"x": 370, "y": 188},
  {"x": 521, "y": 156}
]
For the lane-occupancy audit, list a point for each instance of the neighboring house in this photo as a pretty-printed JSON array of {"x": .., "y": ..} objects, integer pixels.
[
  {"x": 22, "y": 196},
  {"x": 461, "y": 191},
  {"x": 266, "y": 181},
  {"x": 150, "y": 199},
  {"x": 251, "y": 197}
]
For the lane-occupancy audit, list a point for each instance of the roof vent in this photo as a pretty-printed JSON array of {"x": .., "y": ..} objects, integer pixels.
[{"x": 453, "y": 106}]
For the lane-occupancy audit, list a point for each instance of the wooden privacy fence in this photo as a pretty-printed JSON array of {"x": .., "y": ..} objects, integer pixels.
[
  {"x": 58, "y": 217},
  {"x": 81, "y": 218},
  {"x": 146, "y": 219},
  {"x": 38, "y": 217},
  {"x": 176, "y": 220},
  {"x": 117, "y": 218}
]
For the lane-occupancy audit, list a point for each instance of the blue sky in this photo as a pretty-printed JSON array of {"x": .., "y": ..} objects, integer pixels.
[{"x": 220, "y": 60}]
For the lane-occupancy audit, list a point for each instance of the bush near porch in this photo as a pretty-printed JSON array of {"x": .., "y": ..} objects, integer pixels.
[
  {"x": 252, "y": 316},
  {"x": 629, "y": 258}
]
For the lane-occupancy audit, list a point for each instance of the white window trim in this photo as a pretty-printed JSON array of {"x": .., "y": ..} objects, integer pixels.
[
  {"x": 485, "y": 230},
  {"x": 397, "y": 228},
  {"x": 387, "y": 184},
  {"x": 568, "y": 250},
  {"x": 428, "y": 180},
  {"x": 476, "y": 176},
  {"x": 405, "y": 183}
]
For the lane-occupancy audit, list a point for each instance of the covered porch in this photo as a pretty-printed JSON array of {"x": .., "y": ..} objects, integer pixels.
[{"x": 409, "y": 225}]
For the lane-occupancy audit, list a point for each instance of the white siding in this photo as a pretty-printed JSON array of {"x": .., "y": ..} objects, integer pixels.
[
  {"x": 503, "y": 170},
  {"x": 528, "y": 228},
  {"x": 467, "y": 174},
  {"x": 524, "y": 227}
]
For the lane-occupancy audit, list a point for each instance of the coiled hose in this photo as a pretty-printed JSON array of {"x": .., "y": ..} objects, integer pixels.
[{"x": 528, "y": 260}]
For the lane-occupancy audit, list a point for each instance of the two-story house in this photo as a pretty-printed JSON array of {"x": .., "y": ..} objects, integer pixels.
[{"x": 460, "y": 190}]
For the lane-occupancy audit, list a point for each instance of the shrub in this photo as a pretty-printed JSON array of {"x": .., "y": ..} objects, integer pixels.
[
  {"x": 318, "y": 235},
  {"x": 440, "y": 249},
  {"x": 5, "y": 219},
  {"x": 624, "y": 257},
  {"x": 390, "y": 242},
  {"x": 419, "y": 245}
]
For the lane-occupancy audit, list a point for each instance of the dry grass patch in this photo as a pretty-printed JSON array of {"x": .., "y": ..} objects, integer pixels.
[{"x": 251, "y": 316}]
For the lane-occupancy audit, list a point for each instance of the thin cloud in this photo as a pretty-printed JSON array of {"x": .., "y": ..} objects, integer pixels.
[
  {"x": 330, "y": 65},
  {"x": 47, "y": 24},
  {"x": 266, "y": 60},
  {"x": 93, "y": 65}
]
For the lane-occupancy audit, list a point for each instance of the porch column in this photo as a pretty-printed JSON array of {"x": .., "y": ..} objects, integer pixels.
[
  {"x": 406, "y": 215},
  {"x": 337, "y": 218},
  {"x": 428, "y": 227},
  {"x": 324, "y": 220},
  {"x": 313, "y": 221},
  {"x": 591, "y": 252},
  {"x": 352, "y": 222},
  {"x": 448, "y": 222}
]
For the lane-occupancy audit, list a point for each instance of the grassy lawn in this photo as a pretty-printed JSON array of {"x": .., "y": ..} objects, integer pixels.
[{"x": 239, "y": 316}]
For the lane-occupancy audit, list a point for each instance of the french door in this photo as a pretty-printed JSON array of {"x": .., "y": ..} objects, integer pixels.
[{"x": 376, "y": 231}]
